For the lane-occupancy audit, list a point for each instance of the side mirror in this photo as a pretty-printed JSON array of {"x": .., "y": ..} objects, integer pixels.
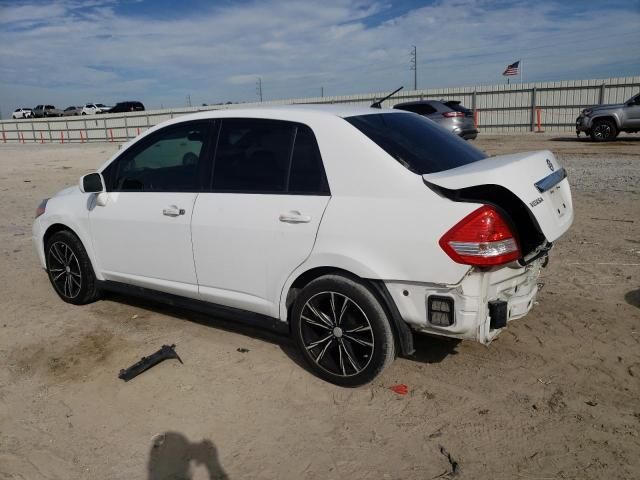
[{"x": 92, "y": 183}]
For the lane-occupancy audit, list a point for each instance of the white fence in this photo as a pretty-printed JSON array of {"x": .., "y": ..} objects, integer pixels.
[{"x": 548, "y": 106}]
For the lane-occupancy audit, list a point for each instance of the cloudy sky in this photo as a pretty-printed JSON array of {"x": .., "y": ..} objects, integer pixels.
[{"x": 159, "y": 51}]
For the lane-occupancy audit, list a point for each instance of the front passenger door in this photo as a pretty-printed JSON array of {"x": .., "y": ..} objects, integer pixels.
[
  {"x": 142, "y": 236},
  {"x": 632, "y": 112}
]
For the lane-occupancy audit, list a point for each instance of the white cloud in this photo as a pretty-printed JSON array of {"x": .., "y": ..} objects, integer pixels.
[{"x": 72, "y": 52}]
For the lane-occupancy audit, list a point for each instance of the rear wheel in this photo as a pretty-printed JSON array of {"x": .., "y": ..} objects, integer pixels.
[
  {"x": 70, "y": 270},
  {"x": 603, "y": 131},
  {"x": 342, "y": 330}
]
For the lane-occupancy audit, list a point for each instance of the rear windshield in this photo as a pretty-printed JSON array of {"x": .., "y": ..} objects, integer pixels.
[
  {"x": 419, "y": 144},
  {"x": 457, "y": 107}
]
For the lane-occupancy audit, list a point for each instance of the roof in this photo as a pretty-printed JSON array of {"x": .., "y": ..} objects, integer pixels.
[{"x": 287, "y": 112}]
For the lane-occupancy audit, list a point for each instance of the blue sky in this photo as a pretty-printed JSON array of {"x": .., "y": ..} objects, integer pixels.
[{"x": 159, "y": 51}]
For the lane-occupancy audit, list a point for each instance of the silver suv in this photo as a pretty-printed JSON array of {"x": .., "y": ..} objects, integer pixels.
[
  {"x": 604, "y": 122},
  {"x": 450, "y": 115}
]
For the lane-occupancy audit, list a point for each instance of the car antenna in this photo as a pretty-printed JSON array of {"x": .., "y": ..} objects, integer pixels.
[{"x": 378, "y": 103}]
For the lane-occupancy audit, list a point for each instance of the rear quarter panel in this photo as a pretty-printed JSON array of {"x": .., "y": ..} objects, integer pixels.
[{"x": 382, "y": 221}]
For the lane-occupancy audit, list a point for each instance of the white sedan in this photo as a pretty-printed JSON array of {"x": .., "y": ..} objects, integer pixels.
[
  {"x": 346, "y": 228},
  {"x": 22, "y": 113}
]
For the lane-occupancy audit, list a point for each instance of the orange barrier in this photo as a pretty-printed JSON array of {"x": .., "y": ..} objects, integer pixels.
[
  {"x": 41, "y": 138},
  {"x": 539, "y": 118},
  {"x": 4, "y": 137},
  {"x": 475, "y": 118},
  {"x": 61, "y": 137},
  {"x": 81, "y": 137},
  {"x": 22, "y": 137},
  {"x": 110, "y": 135},
  {"x": 138, "y": 131}
]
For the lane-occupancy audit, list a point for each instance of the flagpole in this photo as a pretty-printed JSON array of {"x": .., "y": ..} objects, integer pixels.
[{"x": 521, "y": 71}]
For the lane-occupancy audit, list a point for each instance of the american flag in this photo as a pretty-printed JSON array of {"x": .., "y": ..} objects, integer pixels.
[{"x": 511, "y": 69}]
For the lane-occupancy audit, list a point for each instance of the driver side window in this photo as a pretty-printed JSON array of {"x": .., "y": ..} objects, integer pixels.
[{"x": 171, "y": 160}]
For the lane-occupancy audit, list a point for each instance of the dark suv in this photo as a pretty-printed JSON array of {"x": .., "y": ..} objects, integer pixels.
[
  {"x": 124, "y": 107},
  {"x": 451, "y": 115}
]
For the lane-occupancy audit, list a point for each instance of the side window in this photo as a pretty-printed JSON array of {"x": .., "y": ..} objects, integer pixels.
[
  {"x": 307, "y": 172},
  {"x": 253, "y": 156},
  {"x": 171, "y": 160},
  {"x": 419, "y": 108}
]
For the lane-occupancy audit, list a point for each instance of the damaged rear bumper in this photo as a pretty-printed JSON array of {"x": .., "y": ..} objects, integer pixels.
[{"x": 508, "y": 293}]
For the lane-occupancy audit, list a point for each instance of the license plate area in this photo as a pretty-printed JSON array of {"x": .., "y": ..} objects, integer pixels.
[{"x": 558, "y": 202}]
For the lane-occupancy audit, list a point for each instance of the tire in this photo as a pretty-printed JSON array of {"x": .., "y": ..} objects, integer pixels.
[
  {"x": 603, "y": 131},
  {"x": 342, "y": 330},
  {"x": 67, "y": 259},
  {"x": 84, "y": 113}
]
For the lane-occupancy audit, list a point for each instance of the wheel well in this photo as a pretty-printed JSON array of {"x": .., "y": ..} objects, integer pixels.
[
  {"x": 401, "y": 331},
  {"x": 609, "y": 118},
  {"x": 307, "y": 277},
  {"x": 55, "y": 228}
]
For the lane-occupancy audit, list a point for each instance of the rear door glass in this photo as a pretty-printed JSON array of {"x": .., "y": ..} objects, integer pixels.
[
  {"x": 253, "y": 156},
  {"x": 419, "y": 144}
]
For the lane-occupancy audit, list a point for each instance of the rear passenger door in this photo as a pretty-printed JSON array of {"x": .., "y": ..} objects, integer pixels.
[{"x": 260, "y": 220}]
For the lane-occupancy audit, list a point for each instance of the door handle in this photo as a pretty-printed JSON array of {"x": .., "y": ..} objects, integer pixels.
[
  {"x": 173, "y": 211},
  {"x": 294, "y": 216}
]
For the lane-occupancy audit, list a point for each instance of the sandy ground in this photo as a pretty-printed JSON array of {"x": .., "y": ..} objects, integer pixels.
[{"x": 557, "y": 396}]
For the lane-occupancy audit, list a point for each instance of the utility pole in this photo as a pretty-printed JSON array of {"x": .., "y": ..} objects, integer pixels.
[
  {"x": 322, "y": 92},
  {"x": 414, "y": 66},
  {"x": 189, "y": 99},
  {"x": 259, "y": 89}
]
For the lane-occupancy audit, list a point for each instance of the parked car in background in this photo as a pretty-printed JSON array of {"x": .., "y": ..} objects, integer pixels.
[
  {"x": 70, "y": 111},
  {"x": 604, "y": 122},
  {"x": 22, "y": 113},
  {"x": 123, "y": 107},
  {"x": 94, "y": 108},
  {"x": 458, "y": 107},
  {"x": 257, "y": 215},
  {"x": 455, "y": 118},
  {"x": 46, "y": 111}
]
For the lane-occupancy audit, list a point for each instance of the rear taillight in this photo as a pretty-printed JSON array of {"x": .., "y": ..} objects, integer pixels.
[
  {"x": 42, "y": 207},
  {"x": 482, "y": 238},
  {"x": 453, "y": 114}
]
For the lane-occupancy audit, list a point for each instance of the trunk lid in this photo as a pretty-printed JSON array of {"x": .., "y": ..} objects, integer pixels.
[{"x": 535, "y": 178}]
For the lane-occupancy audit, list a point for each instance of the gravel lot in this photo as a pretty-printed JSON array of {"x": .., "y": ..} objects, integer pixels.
[{"x": 555, "y": 396}]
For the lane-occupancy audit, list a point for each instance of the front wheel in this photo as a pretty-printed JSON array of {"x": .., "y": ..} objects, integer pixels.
[
  {"x": 70, "y": 270},
  {"x": 342, "y": 330},
  {"x": 603, "y": 131}
]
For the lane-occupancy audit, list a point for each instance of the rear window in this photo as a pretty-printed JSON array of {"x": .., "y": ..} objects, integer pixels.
[
  {"x": 457, "y": 107},
  {"x": 416, "y": 142},
  {"x": 419, "y": 108}
]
